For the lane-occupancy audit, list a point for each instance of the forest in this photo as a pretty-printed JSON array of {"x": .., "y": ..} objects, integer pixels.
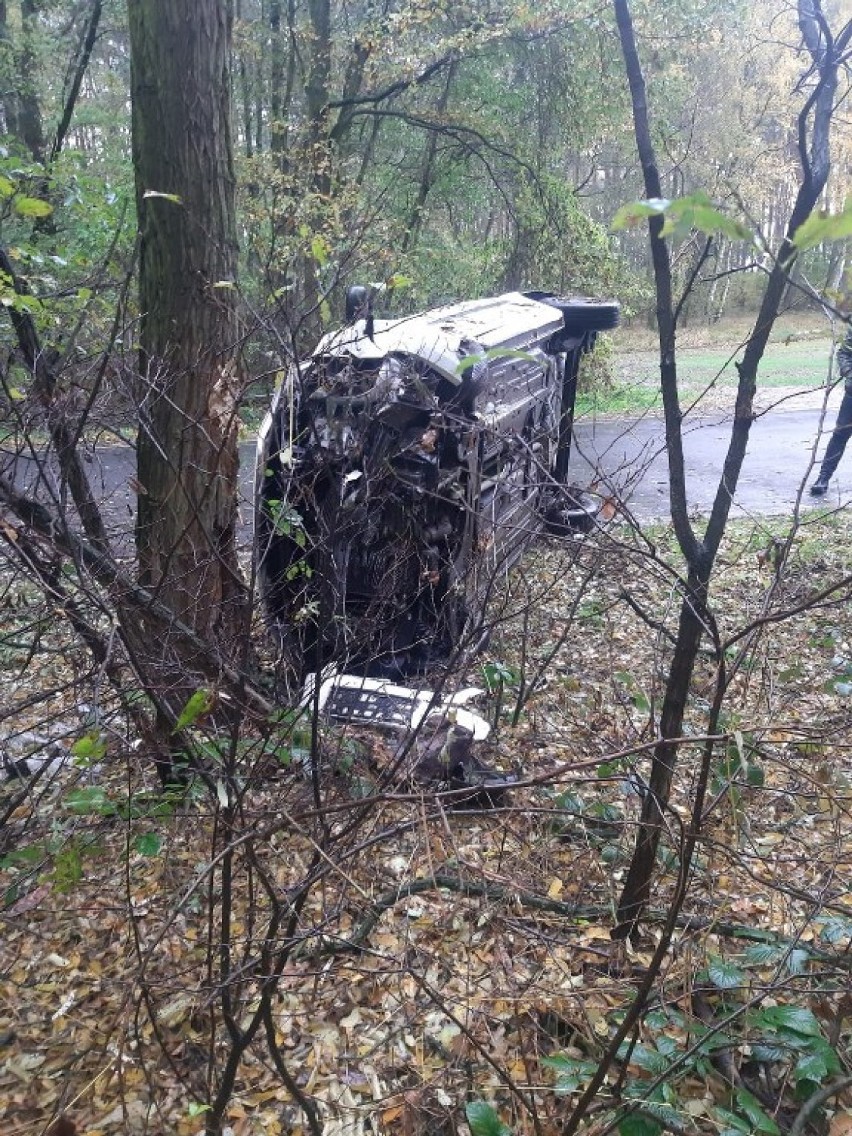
[{"x": 372, "y": 760}]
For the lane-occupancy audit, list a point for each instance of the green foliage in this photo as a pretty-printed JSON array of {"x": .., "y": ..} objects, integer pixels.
[
  {"x": 824, "y": 226},
  {"x": 676, "y": 1050},
  {"x": 198, "y": 705},
  {"x": 637, "y": 696},
  {"x": 287, "y": 521},
  {"x": 572, "y": 1073},
  {"x": 484, "y": 1121},
  {"x": 89, "y": 749},
  {"x": 57, "y": 226},
  {"x": 32, "y": 207},
  {"x": 148, "y": 843},
  {"x": 683, "y": 215}
]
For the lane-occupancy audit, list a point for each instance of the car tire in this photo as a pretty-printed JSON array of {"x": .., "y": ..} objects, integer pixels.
[{"x": 581, "y": 314}]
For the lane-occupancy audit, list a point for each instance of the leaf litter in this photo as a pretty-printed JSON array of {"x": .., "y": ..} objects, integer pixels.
[{"x": 442, "y": 955}]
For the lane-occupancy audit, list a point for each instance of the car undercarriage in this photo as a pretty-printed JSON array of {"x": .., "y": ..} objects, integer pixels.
[{"x": 406, "y": 465}]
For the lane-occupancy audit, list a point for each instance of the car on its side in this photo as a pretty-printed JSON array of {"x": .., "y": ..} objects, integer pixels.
[{"x": 408, "y": 461}]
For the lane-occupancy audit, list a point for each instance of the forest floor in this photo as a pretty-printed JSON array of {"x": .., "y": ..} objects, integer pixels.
[{"x": 429, "y": 957}]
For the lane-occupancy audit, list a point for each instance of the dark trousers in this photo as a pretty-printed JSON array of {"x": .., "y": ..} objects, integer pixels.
[{"x": 839, "y": 438}]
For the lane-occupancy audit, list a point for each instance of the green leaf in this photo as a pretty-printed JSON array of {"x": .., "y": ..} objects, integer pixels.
[
  {"x": 319, "y": 250},
  {"x": 796, "y": 1019},
  {"x": 572, "y": 1072},
  {"x": 88, "y": 749},
  {"x": 67, "y": 869},
  {"x": 755, "y": 776},
  {"x": 32, "y": 207},
  {"x": 198, "y": 705},
  {"x": 836, "y": 930},
  {"x": 497, "y": 674},
  {"x": 7, "y": 188},
  {"x": 148, "y": 843},
  {"x": 667, "y": 1115},
  {"x": 823, "y": 226},
  {"x": 697, "y": 211},
  {"x": 767, "y": 1052},
  {"x": 683, "y": 216},
  {"x": 645, "y": 1058},
  {"x": 91, "y": 799},
  {"x": 400, "y": 281},
  {"x": 636, "y": 211},
  {"x": 28, "y": 854},
  {"x": 725, "y": 975},
  {"x": 760, "y": 1121},
  {"x": 762, "y": 954},
  {"x": 798, "y": 961},
  {"x": 811, "y": 1067},
  {"x": 638, "y": 1125},
  {"x": 736, "y": 1123},
  {"x": 484, "y": 1121}
]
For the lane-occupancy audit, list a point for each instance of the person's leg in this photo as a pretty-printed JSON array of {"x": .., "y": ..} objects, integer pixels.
[{"x": 836, "y": 445}]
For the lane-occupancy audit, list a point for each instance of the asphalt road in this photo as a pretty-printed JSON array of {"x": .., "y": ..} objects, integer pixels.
[
  {"x": 623, "y": 457},
  {"x": 630, "y": 458}
]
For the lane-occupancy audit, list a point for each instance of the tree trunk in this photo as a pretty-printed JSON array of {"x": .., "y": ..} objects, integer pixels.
[
  {"x": 21, "y": 112},
  {"x": 813, "y": 140},
  {"x": 81, "y": 62},
  {"x": 427, "y": 170},
  {"x": 189, "y": 380},
  {"x": 29, "y": 112}
]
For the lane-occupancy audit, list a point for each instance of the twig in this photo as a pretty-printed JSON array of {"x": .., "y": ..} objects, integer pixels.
[{"x": 813, "y": 1103}]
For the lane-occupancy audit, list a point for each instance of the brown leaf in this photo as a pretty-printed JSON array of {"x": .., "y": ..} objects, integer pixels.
[{"x": 29, "y": 901}]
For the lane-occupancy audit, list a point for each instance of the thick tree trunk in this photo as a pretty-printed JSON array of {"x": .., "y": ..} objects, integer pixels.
[{"x": 189, "y": 359}]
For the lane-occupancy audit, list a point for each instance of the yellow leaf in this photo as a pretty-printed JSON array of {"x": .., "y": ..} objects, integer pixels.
[{"x": 555, "y": 889}]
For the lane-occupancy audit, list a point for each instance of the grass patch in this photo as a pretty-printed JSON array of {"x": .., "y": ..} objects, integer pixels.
[
  {"x": 795, "y": 364},
  {"x": 798, "y": 360},
  {"x": 619, "y": 398}
]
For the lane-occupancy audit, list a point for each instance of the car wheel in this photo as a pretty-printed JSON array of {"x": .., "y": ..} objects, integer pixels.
[{"x": 581, "y": 314}]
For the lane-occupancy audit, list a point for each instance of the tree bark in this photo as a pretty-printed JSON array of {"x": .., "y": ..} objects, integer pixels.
[{"x": 189, "y": 381}]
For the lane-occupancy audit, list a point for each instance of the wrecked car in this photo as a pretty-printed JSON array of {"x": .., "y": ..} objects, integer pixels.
[{"x": 406, "y": 464}]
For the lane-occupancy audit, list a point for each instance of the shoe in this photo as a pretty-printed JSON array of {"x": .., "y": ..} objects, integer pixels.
[{"x": 819, "y": 487}]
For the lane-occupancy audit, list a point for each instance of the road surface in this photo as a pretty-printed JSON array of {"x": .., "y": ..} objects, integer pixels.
[
  {"x": 630, "y": 457},
  {"x": 622, "y": 457}
]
